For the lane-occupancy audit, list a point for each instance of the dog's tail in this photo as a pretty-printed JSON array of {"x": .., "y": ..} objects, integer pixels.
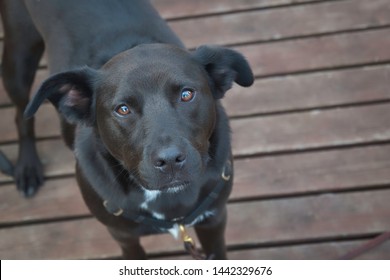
[{"x": 6, "y": 167}]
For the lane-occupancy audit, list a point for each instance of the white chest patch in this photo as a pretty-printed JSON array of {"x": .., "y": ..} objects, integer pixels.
[
  {"x": 149, "y": 196},
  {"x": 152, "y": 195}
]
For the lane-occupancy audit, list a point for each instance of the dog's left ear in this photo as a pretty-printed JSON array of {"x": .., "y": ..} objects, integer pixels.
[
  {"x": 224, "y": 66},
  {"x": 70, "y": 92}
]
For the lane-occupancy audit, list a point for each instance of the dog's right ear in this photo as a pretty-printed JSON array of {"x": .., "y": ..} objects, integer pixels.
[{"x": 70, "y": 92}]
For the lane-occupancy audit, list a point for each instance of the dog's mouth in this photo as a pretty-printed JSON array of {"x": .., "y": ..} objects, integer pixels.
[
  {"x": 175, "y": 187},
  {"x": 172, "y": 187}
]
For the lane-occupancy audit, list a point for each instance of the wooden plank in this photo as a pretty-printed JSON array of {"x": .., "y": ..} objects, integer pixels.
[
  {"x": 286, "y": 220},
  {"x": 302, "y": 92},
  {"x": 325, "y": 171},
  {"x": 78, "y": 239},
  {"x": 317, "y": 172},
  {"x": 311, "y": 130},
  {"x": 56, "y": 158},
  {"x": 58, "y": 198},
  {"x": 318, "y": 53},
  {"x": 301, "y": 20},
  {"x": 310, "y": 217},
  {"x": 172, "y": 9},
  {"x": 321, "y": 251},
  {"x": 324, "y": 251}
]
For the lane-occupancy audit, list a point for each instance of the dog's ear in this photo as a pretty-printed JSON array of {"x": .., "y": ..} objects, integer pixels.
[
  {"x": 224, "y": 66},
  {"x": 70, "y": 92}
]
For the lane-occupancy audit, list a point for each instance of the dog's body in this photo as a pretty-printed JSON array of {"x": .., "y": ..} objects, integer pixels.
[{"x": 151, "y": 139}]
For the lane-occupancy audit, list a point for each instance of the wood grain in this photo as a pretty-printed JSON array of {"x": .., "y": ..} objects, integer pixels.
[
  {"x": 318, "y": 53},
  {"x": 310, "y": 91},
  {"x": 277, "y": 221},
  {"x": 265, "y": 25},
  {"x": 311, "y": 130},
  {"x": 171, "y": 9}
]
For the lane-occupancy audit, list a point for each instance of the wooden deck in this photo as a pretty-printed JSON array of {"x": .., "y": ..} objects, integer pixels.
[{"x": 311, "y": 138}]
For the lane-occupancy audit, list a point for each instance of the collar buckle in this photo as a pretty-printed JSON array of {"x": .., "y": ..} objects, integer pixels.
[
  {"x": 117, "y": 212},
  {"x": 185, "y": 237}
]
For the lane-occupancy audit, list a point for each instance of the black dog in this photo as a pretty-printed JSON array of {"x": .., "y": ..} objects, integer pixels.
[{"x": 151, "y": 139}]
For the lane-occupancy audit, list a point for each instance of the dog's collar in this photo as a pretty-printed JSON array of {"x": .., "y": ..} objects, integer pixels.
[{"x": 187, "y": 220}]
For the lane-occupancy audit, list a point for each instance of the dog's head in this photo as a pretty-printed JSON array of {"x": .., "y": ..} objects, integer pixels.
[{"x": 153, "y": 106}]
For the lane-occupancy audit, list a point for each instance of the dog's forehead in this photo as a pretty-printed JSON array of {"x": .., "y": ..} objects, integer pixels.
[
  {"x": 150, "y": 57},
  {"x": 152, "y": 66}
]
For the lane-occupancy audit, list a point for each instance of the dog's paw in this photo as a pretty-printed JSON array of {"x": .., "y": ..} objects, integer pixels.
[{"x": 28, "y": 175}]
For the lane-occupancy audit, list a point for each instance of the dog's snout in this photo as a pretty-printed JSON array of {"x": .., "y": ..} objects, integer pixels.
[{"x": 169, "y": 159}]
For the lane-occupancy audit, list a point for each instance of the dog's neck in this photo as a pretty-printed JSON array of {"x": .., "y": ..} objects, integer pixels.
[{"x": 219, "y": 146}]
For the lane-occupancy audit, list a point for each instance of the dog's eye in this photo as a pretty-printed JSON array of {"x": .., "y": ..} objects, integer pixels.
[
  {"x": 187, "y": 95},
  {"x": 122, "y": 110}
]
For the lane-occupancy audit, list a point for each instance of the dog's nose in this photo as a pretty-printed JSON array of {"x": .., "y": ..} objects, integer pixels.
[{"x": 169, "y": 159}]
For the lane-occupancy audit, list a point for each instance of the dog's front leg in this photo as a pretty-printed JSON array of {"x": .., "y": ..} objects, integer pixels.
[
  {"x": 130, "y": 245},
  {"x": 23, "y": 49},
  {"x": 212, "y": 237}
]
